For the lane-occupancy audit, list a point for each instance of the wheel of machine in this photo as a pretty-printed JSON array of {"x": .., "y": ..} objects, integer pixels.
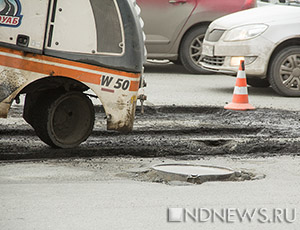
[
  {"x": 257, "y": 82},
  {"x": 284, "y": 74},
  {"x": 65, "y": 119},
  {"x": 191, "y": 48}
]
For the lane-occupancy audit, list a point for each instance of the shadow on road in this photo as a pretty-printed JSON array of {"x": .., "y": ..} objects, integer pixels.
[{"x": 263, "y": 92}]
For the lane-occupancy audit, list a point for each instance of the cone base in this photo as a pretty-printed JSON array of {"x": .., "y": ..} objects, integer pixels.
[{"x": 239, "y": 106}]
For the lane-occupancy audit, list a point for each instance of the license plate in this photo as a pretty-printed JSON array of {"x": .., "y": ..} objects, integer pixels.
[{"x": 208, "y": 50}]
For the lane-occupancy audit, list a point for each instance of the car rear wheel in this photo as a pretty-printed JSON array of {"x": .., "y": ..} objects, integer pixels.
[
  {"x": 191, "y": 48},
  {"x": 64, "y": 119},
  {"x": 259, "y": 83},
  {"x": 284, "y": 74}
]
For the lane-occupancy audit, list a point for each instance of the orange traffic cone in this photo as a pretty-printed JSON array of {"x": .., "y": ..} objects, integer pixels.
[{"x": 240, "y": 94}]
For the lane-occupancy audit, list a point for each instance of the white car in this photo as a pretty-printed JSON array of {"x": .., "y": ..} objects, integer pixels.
[{"x": 267, "y": 38}]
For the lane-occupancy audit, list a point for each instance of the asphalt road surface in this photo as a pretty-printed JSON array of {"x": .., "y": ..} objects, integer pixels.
[
  {"x": 170, "y": 84},
  {"x": 103, "y": 184}
]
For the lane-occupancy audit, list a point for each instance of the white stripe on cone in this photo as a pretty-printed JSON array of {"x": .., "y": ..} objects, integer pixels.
[
  {"x": 241, "y": 74},
  {"x": 240, "y": 90}
]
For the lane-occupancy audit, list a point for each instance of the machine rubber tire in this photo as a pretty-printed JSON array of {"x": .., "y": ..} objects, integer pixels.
[
  {"x": 64, "y": 119},
  {"x": 284, "y": 73},
  {"x": 191, "y": 48},
  {"x": 257, "y": 82}
]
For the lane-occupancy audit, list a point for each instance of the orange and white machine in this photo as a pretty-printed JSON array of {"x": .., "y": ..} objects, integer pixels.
[{"x": 53, "y": 51}]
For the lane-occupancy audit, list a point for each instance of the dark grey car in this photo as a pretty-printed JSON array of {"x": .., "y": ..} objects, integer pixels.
[{"x": 175, "y": 28}]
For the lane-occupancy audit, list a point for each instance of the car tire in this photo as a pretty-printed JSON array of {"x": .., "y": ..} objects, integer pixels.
[
  {"x": 284, "y": 72},
  {"x": 258, "y": 83},
  {"x": 64, "y": 119},
  {"x": 177, "y": 62},
  {"x": 191, "y": 48}
]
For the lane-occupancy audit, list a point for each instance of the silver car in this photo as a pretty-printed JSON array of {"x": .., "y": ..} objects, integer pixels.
[{"x": 267, "y": 38}]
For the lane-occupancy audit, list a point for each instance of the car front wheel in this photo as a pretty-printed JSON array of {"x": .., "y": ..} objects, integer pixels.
[
  {"x": 191, "y": 48},
  {"x": 284, "y": 74}
]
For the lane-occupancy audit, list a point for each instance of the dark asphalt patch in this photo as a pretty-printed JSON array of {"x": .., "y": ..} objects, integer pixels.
[{"x": 180, "y": 132}]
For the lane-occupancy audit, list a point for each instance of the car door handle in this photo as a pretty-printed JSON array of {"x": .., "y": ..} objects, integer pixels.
[{"x": 177, "y": 1}]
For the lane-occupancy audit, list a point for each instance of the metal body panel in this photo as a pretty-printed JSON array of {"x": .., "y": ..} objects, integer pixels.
[
  {"x": 163, "y": 22},
  {"x": 99, "y": 29},
  {"x": 199, "y": 13},
  {"x": 26, "y": 19},
  {"x": 71, "y": 52},
  {"x": 261, "y": 47},
  {"x": 117, "y": 90},
  {"x": 73, "y": 27},
  {"x": 171, "y": 22},
  {"x": 242, "y": 48},
  {"x": 133, "y": 55},
  {"x": 107, "y": 18}
]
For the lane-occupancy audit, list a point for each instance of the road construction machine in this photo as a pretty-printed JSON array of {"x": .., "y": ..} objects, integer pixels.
[{"x": 59, "y": 53}]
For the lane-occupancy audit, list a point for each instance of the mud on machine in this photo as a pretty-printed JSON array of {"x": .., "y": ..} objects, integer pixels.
[{"x": 53, "y": 51}]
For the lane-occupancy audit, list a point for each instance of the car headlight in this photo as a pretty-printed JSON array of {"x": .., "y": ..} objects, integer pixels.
[{"x": 245, "y": 32}]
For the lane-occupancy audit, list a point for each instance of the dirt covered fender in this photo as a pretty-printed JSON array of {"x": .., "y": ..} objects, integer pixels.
[
  {"x": 11, "y": 82},
  {"x": 117, "y": 90},
  {"x": 114, "y": 75}
]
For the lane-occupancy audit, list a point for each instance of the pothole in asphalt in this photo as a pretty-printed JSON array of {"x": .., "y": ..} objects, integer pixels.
[{"x": 188, "y": 174}]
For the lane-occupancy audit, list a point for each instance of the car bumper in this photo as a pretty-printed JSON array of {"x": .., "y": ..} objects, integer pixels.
[{"x": 224, "y": 57}]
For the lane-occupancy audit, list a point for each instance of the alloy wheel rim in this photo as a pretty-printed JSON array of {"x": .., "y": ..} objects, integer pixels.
[
  {"x": 290, "y": 72},
  {"x": 196, "y": 49}
]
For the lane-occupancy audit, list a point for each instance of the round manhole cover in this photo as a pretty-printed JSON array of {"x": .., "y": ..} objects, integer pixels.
[{"x": 192, "y": 172}]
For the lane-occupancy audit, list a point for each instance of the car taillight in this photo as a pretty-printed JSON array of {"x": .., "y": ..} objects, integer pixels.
[{"x": 249, "y": 4}]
